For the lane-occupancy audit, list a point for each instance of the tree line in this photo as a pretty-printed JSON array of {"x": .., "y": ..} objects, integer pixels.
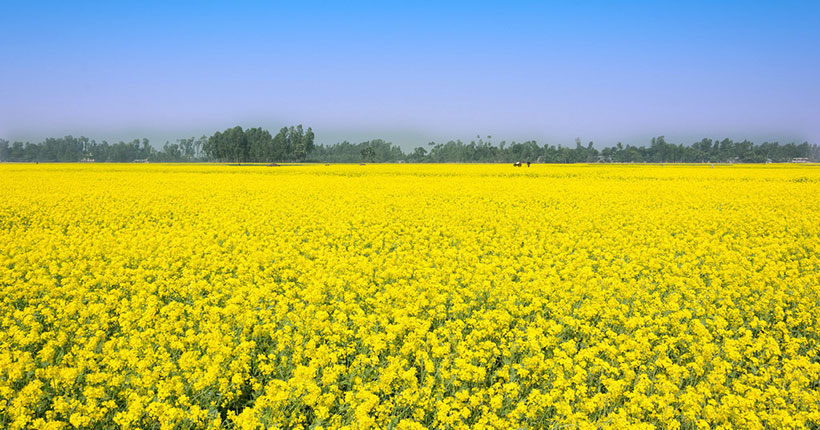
[
  {"x": 483, "y": 151},
  {"x": 231, "y": 145},
  {"x": 76, "y": 149},
  {"x": 295, "y": 144},
  {"x": 257, "y": 145}
]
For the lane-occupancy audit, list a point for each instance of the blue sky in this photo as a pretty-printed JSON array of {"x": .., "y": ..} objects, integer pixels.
[{"x": 411, "y": 72}]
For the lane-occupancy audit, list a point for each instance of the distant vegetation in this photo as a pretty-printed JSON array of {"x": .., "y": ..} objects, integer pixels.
[
  {"x": 257, "y": 145},
  {"x": 294, "y": 144}
]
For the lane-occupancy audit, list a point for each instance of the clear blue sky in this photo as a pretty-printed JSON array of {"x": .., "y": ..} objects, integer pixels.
[{"x": 412, "y": 71}]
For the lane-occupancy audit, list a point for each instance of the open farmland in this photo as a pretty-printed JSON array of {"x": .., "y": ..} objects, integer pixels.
[{"x": 409, "y": 296}]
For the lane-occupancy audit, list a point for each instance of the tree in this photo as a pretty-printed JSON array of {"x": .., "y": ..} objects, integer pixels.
[
  {"x": 307, "y": 142},
  {"x": 368, "y": 154},
  {"x": 199, "y": 145},
  {"x": 4, "y": 150},
  {"x": 280, "y": 145},
  {"x": 260, "y": 144},
  {"x": 237, "y": 144},
  {"x": 215, "y": 147},
  {"x": 186, "y": 147},
  {"x": 297, "y": 143},
  {"x": 418, "y": 155}
]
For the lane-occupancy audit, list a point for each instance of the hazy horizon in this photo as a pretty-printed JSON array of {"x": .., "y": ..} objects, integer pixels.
[
  {"x": 413, "y": 73},
  {"x": 406, "y": 140}
]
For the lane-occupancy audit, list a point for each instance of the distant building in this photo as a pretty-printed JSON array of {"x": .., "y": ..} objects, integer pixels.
[
  {"x": 800, "y": 160},
  {"x": 141, "y": 160},
  {"x": 87, "y": 160}
]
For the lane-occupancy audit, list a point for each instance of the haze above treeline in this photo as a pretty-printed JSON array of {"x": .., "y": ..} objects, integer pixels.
[{"x": 296, "y": 144}]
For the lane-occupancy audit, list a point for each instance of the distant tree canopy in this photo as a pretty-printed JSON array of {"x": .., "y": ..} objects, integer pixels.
[
  {"x": 294, "y": 144},
  {"x": 231, "y": 145},
  {"x": 73, "y": 149},
  {"x": 483, "y": 151},
  {"x": 370, "y": 151},
  {"x": 257, "y": 145}
]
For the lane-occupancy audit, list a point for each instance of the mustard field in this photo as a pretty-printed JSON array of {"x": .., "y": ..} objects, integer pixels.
[{"x": 409, "y": 297}]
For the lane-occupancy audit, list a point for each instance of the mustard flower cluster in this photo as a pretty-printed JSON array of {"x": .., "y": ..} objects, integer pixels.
[{"x": 409, "y": 297}]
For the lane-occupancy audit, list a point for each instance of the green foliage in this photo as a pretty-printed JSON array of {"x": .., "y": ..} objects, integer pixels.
[
  {"x": 483, "y": 151},
  {"x": 346, "y": 152},
  {"x": 368, "y": 154},
  {"x": 294, "y": 144},
  {"x": 257, "y": 145}
]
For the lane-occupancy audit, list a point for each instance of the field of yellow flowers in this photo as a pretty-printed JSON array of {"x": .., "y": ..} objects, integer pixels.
[{"x": 409, "y": 297}]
